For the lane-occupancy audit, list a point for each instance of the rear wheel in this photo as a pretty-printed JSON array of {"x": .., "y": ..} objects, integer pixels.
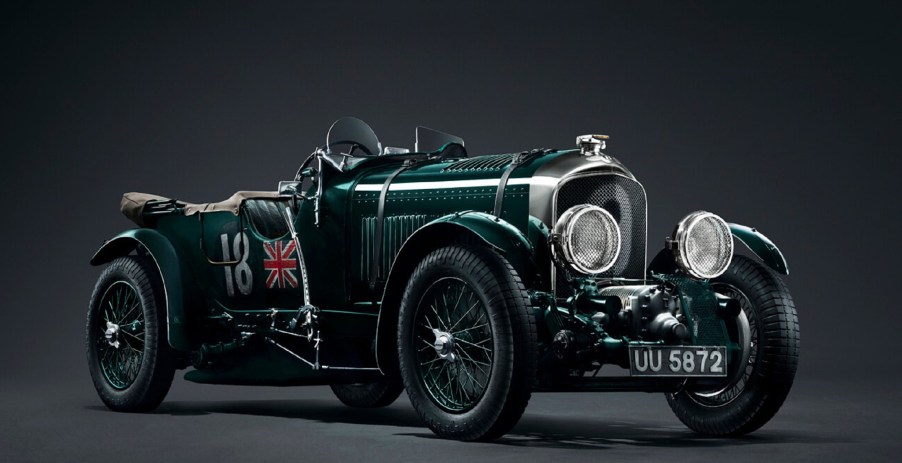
[
  {"x": 466, "y": 341},
  {"x": 129, "y": 358},
  {"x": 761, "y": 374},
  {"x": 368, "y": 395}
]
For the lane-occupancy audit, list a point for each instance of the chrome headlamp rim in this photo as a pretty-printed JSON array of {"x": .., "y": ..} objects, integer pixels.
[
  {"x": 683, "y": 230},
  {"x": 564, "y": 229}
]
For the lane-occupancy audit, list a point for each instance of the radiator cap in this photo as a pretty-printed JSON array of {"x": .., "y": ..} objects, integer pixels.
[{"x": 591, "y": 145}]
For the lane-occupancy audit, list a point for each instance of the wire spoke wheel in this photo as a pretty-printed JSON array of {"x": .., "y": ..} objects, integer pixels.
[
  {"x": 466, "y": 342},
  {"x": 455, "y": 344},
  {"x": 120, "y": 334},
  {"x": 130, "y": 362},
  {"x": 761, "y": 371}
]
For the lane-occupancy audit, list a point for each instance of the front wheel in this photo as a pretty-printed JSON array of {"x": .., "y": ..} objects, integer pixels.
[
  {"x": 761, "y": 376},
  {"x": 466, "y": 341},
  {"x": 129, "y": 358}
]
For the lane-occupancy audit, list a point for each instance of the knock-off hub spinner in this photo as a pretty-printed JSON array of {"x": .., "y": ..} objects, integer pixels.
[
  {"x": 444, "y": 345},
  {"x": 112, "y": 334}
]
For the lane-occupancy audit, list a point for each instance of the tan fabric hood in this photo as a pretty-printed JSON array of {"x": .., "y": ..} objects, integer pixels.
[{"x": 132, "y": 204}]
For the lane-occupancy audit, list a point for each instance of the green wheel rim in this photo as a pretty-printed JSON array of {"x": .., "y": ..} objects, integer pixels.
[
  {"x": 740, "y": 374},
  {"x": 119, "y": 331},
  {"x": 454, "y": 344}
]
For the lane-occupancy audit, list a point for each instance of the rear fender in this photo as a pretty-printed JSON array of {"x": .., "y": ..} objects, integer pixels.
[
  {"x": 480, "y": 227},
  {"x": 164, "y": 256}
]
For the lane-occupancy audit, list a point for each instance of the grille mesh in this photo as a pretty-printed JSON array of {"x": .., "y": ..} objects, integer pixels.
[
  {"x": 594, "y": 240},
  {"x": 624, "y": 199},
  {"x": 708, "y": 246}
]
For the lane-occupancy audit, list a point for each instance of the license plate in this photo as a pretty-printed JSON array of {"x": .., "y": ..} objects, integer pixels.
[{"x": 678, "y": 360}]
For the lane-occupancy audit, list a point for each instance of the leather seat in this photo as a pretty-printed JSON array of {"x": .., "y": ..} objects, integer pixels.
[{"x": 267, "y": 217}]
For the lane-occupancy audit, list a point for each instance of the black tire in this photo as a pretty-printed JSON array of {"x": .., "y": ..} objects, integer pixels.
[
  {"x": 129, "y": 294},
  {"x": 368, "y": 395},
  {"x": 498, "y": 316},
  {"x": 758, "y": 385}
]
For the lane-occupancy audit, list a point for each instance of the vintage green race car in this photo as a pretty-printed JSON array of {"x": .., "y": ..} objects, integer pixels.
[{"x": 469, "y": 282}]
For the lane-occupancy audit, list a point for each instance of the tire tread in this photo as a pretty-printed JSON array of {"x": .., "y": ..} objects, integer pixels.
[
  {"x": 158, "y": 364},
  {"x": 504, "y": 288},
  {"x": 778, "y": 358}
]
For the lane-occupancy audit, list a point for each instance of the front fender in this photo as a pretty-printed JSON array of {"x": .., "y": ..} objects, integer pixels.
[
  {"x": 763, "y": 247},
  {"x": 495, "y": 232},
  {"x": 167, "y": 261},
  {"x": 485, "y": 228}
]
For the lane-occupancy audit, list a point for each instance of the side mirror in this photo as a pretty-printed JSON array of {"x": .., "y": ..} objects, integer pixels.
[
  {"x": 305, "y": 173},
  {"x": 289, "y": 188}
]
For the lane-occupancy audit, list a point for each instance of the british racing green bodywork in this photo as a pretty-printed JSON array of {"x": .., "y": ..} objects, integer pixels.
[
  {"x": 426, "y": 205},
  {"x": 763, "y": 247}
]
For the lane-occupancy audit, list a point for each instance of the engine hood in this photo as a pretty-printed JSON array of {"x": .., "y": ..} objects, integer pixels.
[
  {"x": 538, "y": 178},
  {"x": 532, "y": 190}
]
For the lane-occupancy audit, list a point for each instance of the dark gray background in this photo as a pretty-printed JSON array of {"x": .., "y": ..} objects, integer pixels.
[{"x": 783, "y": 117}]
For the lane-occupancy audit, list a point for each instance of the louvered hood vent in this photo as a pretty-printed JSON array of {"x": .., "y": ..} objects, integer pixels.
[{"x": 481, "y": 163}]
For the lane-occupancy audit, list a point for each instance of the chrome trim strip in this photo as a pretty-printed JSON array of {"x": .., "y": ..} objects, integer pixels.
[
  {"x": 486, "y": 182},
  {"x": 537, "y": 180}
]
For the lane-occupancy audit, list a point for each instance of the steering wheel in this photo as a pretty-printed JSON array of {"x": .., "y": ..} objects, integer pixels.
[{"x": 354, "y": 146}]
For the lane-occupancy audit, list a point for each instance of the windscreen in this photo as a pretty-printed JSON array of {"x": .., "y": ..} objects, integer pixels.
[
  {"x": 350, "y": 135},
  {"x": 430, "y": 140}
]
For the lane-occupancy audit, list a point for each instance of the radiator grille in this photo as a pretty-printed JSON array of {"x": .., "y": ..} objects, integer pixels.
[
  {"x": 397, "y": 229},
  {"x": 624, "y": 198}
]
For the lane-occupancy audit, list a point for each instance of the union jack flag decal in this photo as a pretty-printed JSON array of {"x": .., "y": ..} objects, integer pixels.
[{"x": 280, "y": 264}]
